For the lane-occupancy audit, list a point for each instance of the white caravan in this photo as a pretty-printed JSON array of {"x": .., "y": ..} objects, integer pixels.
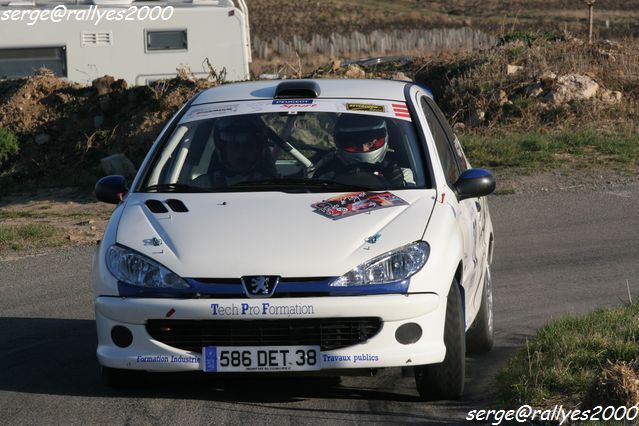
[{"x": 138, "y": 41}]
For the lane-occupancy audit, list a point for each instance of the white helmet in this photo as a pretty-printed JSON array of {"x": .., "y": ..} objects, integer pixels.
[{"x": 361, "y": 138}]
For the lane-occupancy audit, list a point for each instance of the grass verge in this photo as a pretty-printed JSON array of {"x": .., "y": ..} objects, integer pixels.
[
  {"x": 538, "y": 151},
  {"x": 560, "y": 364},
  {"x": 28, "y": 236}
]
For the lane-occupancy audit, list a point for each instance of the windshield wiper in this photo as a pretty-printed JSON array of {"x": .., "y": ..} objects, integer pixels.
[
  {"x": 284, "y": 184},
  {"x": 173, "y": 187}
]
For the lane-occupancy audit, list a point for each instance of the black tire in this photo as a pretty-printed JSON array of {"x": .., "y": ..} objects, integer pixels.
[
  {"x": 117, "y": 378},
  {"x": 480, "y": 335},
  {"x": 446, "y": 379}
]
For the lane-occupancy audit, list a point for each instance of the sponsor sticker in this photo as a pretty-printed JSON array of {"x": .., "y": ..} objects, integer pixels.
[
  {"x": 292, "y": 101},
  {"x": 260, "y": 310},
  {"x": 168, "y": 359},
  {"x": 366, "y": 107},
  {"x": 356, "y": 203},
  {"x": 353, "y": 358},
  {"x": 199, "y": 113}
]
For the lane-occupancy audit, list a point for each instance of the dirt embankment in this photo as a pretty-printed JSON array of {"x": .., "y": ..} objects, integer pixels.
[{"x": 64, "y": 128}]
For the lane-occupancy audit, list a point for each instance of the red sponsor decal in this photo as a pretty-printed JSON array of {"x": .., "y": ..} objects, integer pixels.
[
  {"x": 170, "y": 313},
  {"x": 401, "y": 110}
]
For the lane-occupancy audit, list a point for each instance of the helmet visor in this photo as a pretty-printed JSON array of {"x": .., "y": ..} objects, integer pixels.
[{"x": 361, "y": 141}]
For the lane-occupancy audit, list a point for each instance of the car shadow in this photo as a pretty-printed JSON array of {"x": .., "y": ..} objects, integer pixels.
[{"x": 57, "y": 357}]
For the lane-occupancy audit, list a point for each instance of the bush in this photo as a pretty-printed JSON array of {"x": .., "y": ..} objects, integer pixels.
[{"x": 8, "y": 145}]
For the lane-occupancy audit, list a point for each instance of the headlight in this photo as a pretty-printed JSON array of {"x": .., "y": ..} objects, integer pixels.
[
  {"x": 135, "y": 269},
  {"x": 395, "y": 265}
]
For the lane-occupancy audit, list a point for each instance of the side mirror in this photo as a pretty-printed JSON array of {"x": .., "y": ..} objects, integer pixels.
[
  {"x": 111, "y": 189},
  {"x": 474, "y": 183}
]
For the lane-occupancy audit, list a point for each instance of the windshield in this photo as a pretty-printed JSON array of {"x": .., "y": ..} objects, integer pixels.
[{"x": 293, "y": 146}]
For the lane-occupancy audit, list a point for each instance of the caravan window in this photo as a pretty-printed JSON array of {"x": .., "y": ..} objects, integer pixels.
[
  {"x": 166, "y": 40},
  {"x": 23, "y": 62}
]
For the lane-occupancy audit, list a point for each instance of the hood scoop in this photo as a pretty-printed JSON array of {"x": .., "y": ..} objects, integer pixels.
[
  {"x": 177, "y": 206},
  {"x": 156, "y": 206}
]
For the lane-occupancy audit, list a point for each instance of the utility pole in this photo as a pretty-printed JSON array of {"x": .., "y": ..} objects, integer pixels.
[{"x": 591, "y": 6}]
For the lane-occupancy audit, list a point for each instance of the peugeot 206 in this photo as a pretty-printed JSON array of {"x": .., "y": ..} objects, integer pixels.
[{"x": 299, "y": 226}]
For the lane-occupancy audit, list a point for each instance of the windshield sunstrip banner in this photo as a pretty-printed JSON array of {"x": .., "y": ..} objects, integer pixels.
[{"x": 391, "y": 109}]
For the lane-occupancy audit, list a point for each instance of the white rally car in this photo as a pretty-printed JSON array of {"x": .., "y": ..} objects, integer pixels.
[{"x": 298, "y": 226}]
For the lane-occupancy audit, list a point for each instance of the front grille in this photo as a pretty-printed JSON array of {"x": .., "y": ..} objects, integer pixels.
[{"x": 329, "y": 333}]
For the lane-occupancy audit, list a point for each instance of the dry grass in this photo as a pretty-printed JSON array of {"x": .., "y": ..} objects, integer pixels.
[
  {"x": 306, "y": 18},
  {"x": 617, "y": 384},
  {"x": 560, "y": 365},
  {"x": 468, "y": 83}
]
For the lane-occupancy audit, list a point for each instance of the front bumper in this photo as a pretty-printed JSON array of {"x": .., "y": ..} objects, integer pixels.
[{"x": 382, "y": 350}]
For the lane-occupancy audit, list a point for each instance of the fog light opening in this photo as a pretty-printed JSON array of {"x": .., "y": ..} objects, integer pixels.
[
  {"x": 408, "y": 333},
  {"x": 121, "y": 336}
]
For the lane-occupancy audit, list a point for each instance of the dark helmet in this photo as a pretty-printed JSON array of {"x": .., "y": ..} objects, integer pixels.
[
  {"x": 240, "y": 142},
  {"x": 361, "y": 138}
]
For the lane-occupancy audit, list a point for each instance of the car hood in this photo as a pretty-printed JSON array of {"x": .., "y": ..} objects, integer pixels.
[{"x": 229, "y": 235}]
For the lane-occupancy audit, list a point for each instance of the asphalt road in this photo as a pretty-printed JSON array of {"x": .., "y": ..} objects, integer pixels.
[{"x": 556, "y": 253}]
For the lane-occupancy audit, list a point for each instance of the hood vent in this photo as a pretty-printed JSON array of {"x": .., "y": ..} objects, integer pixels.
[
  {"x": 177, "y": 206},
  {"x": 156, "y": 206}
]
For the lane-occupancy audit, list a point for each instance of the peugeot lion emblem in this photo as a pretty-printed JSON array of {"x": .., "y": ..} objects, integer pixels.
[{"x": 260, "y": 286}]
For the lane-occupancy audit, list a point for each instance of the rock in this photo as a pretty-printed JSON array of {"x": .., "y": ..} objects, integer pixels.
[
  {"x": 103, "y": 85},
  {"x": 355, "y": 71},
  {"x": 118, "y": 164},
  {"x": 336, "y": 65},
  {"x": 500, "y": 96},
  {"x": 401, "y": 76},
  {"x": 42, "y": 138},
  {"x": 610, "y": 96},
  {"x": 98, "y": 121},
  {"x": 93, "y": 228},
  {"x": 459, "y": 126},
  {"x": 513, "y": 69},
  {"x": 534, "y": 90},
  {"x": 72, "y": 237},
  {"x": 572, "y": 87},
  {"x": 547, "y": 79}
]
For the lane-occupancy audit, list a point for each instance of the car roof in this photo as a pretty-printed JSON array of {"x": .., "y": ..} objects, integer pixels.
[{"x": 343, "y": 88}]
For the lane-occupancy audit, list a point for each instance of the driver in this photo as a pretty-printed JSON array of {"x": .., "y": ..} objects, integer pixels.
[
  {"x": 241, "y": 152},
  {"x": 363, "y": 139}
]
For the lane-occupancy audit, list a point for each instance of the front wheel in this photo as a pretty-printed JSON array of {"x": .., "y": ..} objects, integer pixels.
[
  {"x": 446, "y": 379},
  {"x": 480, "y": 335}
]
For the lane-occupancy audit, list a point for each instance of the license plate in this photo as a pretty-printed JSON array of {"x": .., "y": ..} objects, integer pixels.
[{"x": 219, "y": 359}]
